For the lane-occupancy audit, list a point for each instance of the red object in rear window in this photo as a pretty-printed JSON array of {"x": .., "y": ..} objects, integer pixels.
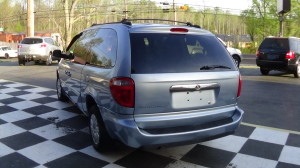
[
  {"x": 122, "y": 90},
  {"x": 181, "y": 30},
  {"x": 290, "y": 55}
]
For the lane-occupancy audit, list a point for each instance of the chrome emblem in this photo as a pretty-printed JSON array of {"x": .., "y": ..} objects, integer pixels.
[{"x": 197, "y": 87}]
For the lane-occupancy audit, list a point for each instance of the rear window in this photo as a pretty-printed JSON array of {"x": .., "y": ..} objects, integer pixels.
[
  {"x": 275, "y": 44},
  {"x": 176, "y": 53},
  {"x": 32, "y": 41}
]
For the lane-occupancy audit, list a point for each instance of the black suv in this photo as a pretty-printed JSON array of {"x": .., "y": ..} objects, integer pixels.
[{"x": 281, "y": 54}]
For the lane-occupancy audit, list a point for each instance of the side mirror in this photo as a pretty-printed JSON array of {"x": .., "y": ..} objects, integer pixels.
[{"x": 59, "y": 54}]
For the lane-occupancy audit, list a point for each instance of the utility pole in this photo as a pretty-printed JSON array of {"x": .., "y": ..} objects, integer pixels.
[
  {"x": 281, "y": 19},
  {"x": 30, "y": 18},
  {"x": 126, "y": 11},
  {"x": 175, "y": 14}
]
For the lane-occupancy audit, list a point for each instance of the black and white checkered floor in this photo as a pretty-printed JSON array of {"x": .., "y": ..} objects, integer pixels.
[{"x": 36, "y": 130}]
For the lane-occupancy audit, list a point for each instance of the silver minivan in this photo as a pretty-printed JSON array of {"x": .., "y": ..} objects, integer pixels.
[
  {"x": 37, "y": 49},
  {"x": 151, "y": 84}
]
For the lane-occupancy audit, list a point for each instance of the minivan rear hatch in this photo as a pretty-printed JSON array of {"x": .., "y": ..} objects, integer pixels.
[{"x": 181, "y": 72}]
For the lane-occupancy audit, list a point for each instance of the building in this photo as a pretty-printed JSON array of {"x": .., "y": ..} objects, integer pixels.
[{"x": 17, "y": 37}]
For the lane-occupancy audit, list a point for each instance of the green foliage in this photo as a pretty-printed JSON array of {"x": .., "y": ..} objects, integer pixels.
[
  {"x": 19, "y": 27},
  {"x": 261, "y": 19}
]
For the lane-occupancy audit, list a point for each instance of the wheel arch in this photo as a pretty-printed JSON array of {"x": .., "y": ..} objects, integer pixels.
[
  {"x": 237, "y": 56},
  {"x": 90, "y": 101}
]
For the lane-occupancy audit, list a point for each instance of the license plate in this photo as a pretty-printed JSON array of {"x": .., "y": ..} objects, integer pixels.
[
  {"x": 272, "y": 57},
  {"x": 193, "y": 99}
]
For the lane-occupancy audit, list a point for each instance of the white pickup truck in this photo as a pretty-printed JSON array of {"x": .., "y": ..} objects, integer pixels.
[{"x": 7, "y": 52}]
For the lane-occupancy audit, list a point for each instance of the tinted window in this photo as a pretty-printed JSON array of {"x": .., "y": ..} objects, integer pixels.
[
  {"x": 277, "y": 44},
  {"x": 170, "y": 53},
  {"x": 32, "y": 41}
]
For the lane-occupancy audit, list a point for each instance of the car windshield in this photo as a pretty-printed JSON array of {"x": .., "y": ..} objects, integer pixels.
[
  {"x": 32, "y": 41},
  {"x": 275, "y": 43},
  {"x": 176, "y": 53}
]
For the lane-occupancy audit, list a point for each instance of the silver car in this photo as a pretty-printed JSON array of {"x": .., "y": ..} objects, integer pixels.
[
  {"x": 37, "y": 49},
  {"x": 151, "y": 84}
]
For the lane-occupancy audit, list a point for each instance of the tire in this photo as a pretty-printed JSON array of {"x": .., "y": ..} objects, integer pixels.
[
  {"x": 49, "y": 60},
  {"x": 21, "y": 62},
  {"x": 297, "y": 71},
  {"x": 237, "y": 60},
  {"x": 264, "y": 71},
  {"x": 100, "y": 137},
  {"x": 6, "y": 56},
  {"x": 61, "y": 96}
]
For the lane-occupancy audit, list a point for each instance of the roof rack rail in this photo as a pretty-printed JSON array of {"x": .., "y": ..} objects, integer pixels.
[{"x": 128, "y": 22}]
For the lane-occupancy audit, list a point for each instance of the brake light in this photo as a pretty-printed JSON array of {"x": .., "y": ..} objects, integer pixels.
[
  {"x": 122, "y": 90},
  {"x": 290, "y": 55},
  {"x": 239, "y": 87},
  {"x": 257, "y": 53},
  {"x": 19, "y": 46},
  {"x": 43, "y": 45},
  {"x": 180, "y": 30}
]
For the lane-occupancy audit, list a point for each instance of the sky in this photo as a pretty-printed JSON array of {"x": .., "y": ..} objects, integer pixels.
[{"x": 238, "y": 5}]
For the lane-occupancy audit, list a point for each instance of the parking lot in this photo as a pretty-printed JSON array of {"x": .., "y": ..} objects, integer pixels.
[{"x": 36, "y": 130}]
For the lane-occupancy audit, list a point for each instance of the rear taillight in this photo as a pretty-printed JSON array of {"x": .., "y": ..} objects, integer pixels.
[
  {"x": 290, "y": 55},
  {"x": 19, "y": 46},
  {"x": 257, "y": 53},
  {"x": 239, "y": 87},
  {"x": 43, "y": 45},
  {"x": 122, "y": 90}
]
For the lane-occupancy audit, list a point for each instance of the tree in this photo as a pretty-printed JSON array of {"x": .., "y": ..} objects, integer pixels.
[{"x": 261, "y": 19}]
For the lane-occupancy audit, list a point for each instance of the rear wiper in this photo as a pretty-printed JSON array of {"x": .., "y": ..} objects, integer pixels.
[{"x": 210, "y": 67}]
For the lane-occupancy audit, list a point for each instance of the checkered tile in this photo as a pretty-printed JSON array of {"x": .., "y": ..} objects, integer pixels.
[{"x": 38, "y": 131}]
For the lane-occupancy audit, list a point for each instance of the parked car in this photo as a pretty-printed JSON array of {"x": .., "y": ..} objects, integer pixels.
[
  {"x": 280, "y": 54},
  {"x": 150, "y": 84},
  {"x": 7, "y": 52},
  {"x": 234, "y": 52},
  {"x": 37, "y": 49}
]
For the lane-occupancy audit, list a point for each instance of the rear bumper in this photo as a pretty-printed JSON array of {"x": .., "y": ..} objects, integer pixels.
[
  {"x": 126, "y": 130},
  {"x": 276, "y": 65},
  {"x": 35, "y": 57}
]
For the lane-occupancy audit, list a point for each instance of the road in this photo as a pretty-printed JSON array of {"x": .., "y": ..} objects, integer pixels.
[
  {"x": 58, "y": 134},
  {"x": 267, "y": 100}
]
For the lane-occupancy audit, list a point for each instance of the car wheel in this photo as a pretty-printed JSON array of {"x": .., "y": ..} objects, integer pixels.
[
  {"x": 60, "y": 91},
  {"x": 6, "y": 56},
  {"x": 297, "y": 72},
  {"x": 264, "y": 71},
  {"x": 21, "y": 62},
  {"x": 100, "y": 138},
  {"x": 236, "y": 60},
  {"x": 49, "y": 59}
]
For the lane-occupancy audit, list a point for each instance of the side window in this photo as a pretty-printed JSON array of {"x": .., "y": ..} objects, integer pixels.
[
  {"x": 50, "y": 41},
  {"x": 81, "y": 49},
  {"x": 103, "y": 48}
]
